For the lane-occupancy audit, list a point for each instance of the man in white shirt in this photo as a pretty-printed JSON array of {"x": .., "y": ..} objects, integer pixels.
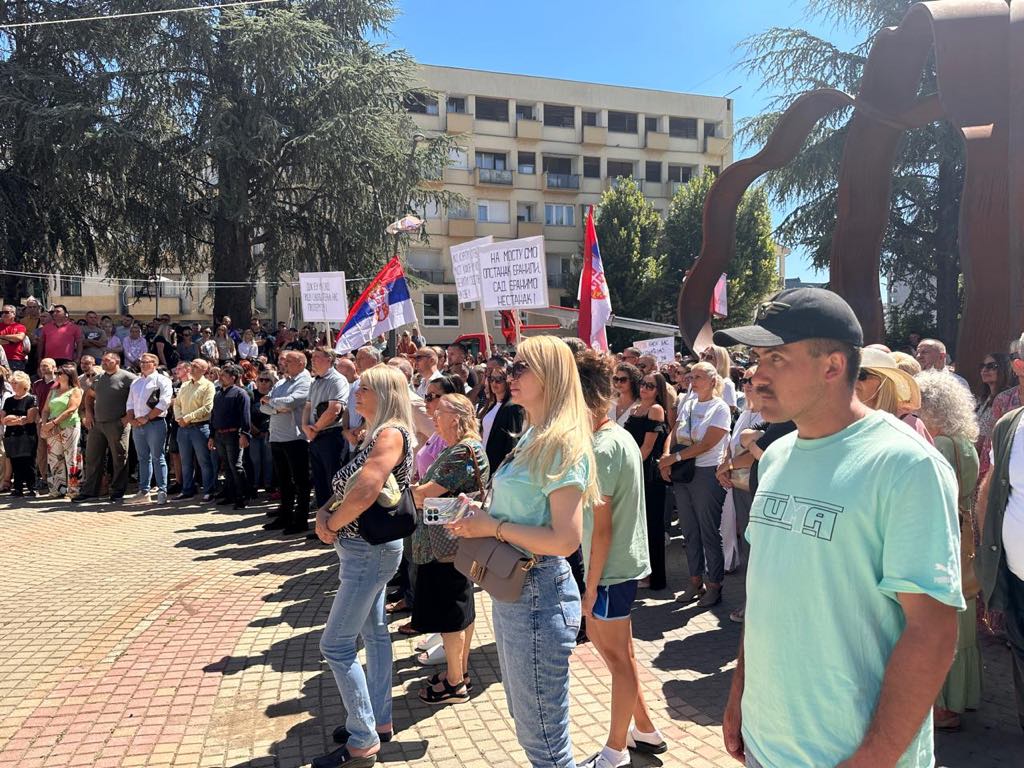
[
  {"x": 148, "y": 401},
  {"x": 426, "y": 367}
]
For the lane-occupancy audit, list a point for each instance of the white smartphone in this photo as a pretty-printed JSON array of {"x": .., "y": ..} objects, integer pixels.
[{"x": 437, "y": 511}]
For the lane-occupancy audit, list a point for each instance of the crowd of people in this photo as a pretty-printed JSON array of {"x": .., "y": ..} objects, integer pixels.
[{"x": 789, "y": 458}]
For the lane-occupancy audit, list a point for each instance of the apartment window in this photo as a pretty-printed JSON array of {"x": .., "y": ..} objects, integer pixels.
[
  {"x": 420, "y": 103},
  {"x": 492, "y": 109},
  {"x": 559, "y": 116},
  {"x": 457, "y": 104},
  {"x": 621, "y": 122},
  {"x": 710, "y": 129},
  {"x": 431, "y": 210},
  {"x": 651, "y": 124},
  {"x": 440, "y": 310},
  {"x": 652, "y": 171},
  {"x": 559, "y": 215},
  {"x": 527, "y": 162},
  {"x": 525, "y": 212},
  {"x": 492, "y": 211},
  {"x": 459, "y": 212},
  {"x": 492, "y": 161},
  {"x": 70, "y": 286},
  {"x": 458, "y": 158},
  {"x": 680, "y": 173},
  {"x": 589, "y": 118},
  {"x": 715, "y": 170},
  {"x": 682, "y": 127},
  {"x": 562, "y": 165},
  {"x": 524, "y": 112},
  {"x": 592, "y": 167},
  {"x": 619, "y": 168}
]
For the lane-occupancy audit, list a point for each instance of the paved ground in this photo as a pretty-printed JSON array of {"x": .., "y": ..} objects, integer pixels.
[{"x": 188, "y": 637}]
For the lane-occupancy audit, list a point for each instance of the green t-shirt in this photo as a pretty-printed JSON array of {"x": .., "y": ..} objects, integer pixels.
[
  {"x": 520, "y": 498},
  {"x": 838, "y": 527},
  {"x": 620, "y": 476}
]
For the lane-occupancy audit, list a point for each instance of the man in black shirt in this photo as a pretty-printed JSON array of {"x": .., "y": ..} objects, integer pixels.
[{"x": 230, "y": 430}]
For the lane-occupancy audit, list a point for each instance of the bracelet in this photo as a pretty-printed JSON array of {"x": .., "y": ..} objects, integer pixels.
[{"x": 497, "y": 533}]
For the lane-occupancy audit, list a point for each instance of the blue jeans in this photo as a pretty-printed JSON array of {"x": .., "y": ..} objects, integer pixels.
[
  {"x": 358, "y": 611},
  {"x": 192, "y": 443},
  {"x": 535, "y": 637},
  {"x": 262, "y": 463},
  {"x": 149, "y": 445}
]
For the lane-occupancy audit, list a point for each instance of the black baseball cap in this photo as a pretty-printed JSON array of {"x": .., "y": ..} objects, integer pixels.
[{"x": 797, "y": 314}]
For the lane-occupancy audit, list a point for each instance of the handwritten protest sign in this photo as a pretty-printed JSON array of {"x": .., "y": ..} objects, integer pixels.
[
  {"x": 323, "y": 297},
  {"x": 663, "y": 348},
  {"x": 466, "y": 267},
  {"x": 513, "y": 274}
]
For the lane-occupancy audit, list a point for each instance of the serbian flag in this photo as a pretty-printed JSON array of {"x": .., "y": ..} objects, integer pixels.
[
  {"x": 595, "y": 303},
  {"x": 720, "y": 299},
  {"x": 384, "y": 305}
]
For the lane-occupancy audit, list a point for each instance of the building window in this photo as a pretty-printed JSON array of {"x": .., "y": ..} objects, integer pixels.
[
  {"x": 680, "y": 173},
  {"x": 715, "y": 170},
  {"x": 492, "y": 211},
  {"x": 459, "y": 212},
  {"x": 492, "y": 161},
  {"x": 527, "y": 162},
  {"x": 70, "y": 286},
  {"x": 457, "y": 104},
  {"x": 559, "y": 116},
  {"x": 619, "y": 168},
  {"x": 559, "y": 215},
  {"x": 525, "y": 212},
  {"x": 420, "y": 103},
  {"x": 682, "y": 127},
  {"x": 431, "y": 210},
  {"x": 458, "y": 158},
  {"x": 440, "y": 310},
  {"x": 524, "y": 112},
  {"x": 560, "y": 165},
  {"x": 652, "y": 172},
  {"x": 710, "y": 129},
  {"x": 651, "y": 124},
  {"x": 592, "y": 167},
  {"x": 621, "y": 122},
  {"x": 492, "y": 109},
  {"x": 589, "y": 118}
]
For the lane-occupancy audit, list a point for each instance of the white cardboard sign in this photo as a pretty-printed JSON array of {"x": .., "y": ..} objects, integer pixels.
[
  {"x": 324, "y": 299},
  {"x": 513, "y": 274},
  {"x": 663, "y": 348},
  {"x": 466, "y": 267}
]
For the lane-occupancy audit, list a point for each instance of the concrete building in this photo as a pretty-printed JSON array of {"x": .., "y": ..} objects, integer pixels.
[{"x": 533, "y": 153}]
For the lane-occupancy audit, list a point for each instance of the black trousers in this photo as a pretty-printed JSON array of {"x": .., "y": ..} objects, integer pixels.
[
  {"x": 291, "y": 472},
  {"x": 326, "y": 455},
  {"x": 1015, "y": 636},
  {"x": 236, "y": 485},
  {"x": 23, "y": 473}
]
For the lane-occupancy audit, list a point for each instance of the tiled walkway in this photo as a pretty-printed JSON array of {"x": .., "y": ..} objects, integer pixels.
[{"x": 187, "y": 636}]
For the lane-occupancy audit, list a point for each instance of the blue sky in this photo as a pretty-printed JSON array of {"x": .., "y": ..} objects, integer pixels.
[{"x": 675, "y": 45}]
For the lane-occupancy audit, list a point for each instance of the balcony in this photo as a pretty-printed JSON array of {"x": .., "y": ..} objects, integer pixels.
[
  {"x": 656, "y": 140},
  {"x": 530, "y": 229},
  {"x": 459, "y": 122},
  {"x": 595, "y": 134},
  {"x": 562, "y": 182},
  {"x": 529, "y": 129},
  {"x": 715, "y": 145},
  {"x": 492, "y": 176},
  {"x": 434, "y": 276},
  {"x": 461, "y": 227},
  {"x": 675, "y": 186}
]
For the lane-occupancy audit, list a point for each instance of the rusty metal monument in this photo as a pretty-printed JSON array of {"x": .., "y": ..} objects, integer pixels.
[{"x": 978, "y": 47}]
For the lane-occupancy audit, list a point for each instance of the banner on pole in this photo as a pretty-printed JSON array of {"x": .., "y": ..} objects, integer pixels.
[
  {"x": 466, "y": 267},
  {"x": 662, "y": 348},
  {"x": 513, "y": 274},
  {"x": 323, "y": 297}
]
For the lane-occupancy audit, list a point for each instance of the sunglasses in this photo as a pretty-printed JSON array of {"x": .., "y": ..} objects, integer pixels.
[
  {"x": 745, "y": 382},
  {"x": 430, "y": 397},
  {"x": 620, "y": 379},
  {"x": 518, "y": 369},
  {"x": 988, "y": 367},
  {"x": 648, "y": 385},
  {"x": 497, "y": 379},
  {"x": 863, "y": 374},
  {"x": 265, "y": 381}
]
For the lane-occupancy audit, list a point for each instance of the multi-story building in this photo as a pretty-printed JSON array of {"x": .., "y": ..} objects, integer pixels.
[{"x": 533, "y": 153}]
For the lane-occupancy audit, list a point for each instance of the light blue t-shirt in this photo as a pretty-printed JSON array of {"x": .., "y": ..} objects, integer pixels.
[
  {"x": 838, "y": 527},
  {"x": 519, "y": 498}
]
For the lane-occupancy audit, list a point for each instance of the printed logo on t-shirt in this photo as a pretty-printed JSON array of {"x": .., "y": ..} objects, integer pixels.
[{"x": 810, "y": 517}]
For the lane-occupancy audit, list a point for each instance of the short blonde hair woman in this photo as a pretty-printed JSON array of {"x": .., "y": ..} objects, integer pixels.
[
  {"x": 538, "y": 500},
  {"x": 365, "y": 569},
  {"x": 719, "y": 359}
]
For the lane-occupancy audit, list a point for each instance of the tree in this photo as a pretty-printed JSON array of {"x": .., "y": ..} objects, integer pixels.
[
  {"x": 628, "y": 233},
  {"x": 752, "y": 274},
  {"x": 920, "y": 246}
]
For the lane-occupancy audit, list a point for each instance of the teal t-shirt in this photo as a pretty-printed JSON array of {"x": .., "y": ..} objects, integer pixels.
[
  {"x": 838, "y": 527},
  {"x": 620, "y": 476},
  {"x": 518, "y": 497}
]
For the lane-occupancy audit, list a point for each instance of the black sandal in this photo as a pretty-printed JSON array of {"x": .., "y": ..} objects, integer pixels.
[
  {"x": 436, "y": 680},
  {"x": 342, "y": 757},
  {"x": 449, "y": 693}
]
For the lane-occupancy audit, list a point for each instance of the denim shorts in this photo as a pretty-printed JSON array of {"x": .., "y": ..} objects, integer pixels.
[{"x": 615, "y": 601}]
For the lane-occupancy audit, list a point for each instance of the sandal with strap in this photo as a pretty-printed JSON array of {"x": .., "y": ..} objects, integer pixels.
[
  {"x": 436, "y": 680},
  {"x": 455, "y": 694}
]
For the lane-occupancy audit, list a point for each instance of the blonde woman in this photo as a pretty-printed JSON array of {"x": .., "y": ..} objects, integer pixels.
[
  {"x": 365, "y": 569},
  {"x": 883, "y": 386},
  {"x": 702, "y": 434},
  {"x": 719, "y": 358},
  {"x": 537, "y": 505}
]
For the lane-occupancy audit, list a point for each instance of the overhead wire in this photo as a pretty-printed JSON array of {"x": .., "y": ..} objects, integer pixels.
[{"x": 161, "y": 12}]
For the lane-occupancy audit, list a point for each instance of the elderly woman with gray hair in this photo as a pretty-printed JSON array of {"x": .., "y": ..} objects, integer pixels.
[{"x": 947, "y": 410}]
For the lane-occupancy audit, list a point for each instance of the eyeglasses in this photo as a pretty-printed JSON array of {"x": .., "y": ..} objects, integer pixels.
[
  {"x": 431, "y": 397},
  {"x": 863, "y": 374},
  {"x": 518, "y": 369},
  {"x": 988, "y": 367},
  {"x": 745, "y": 382},
  {"x": 648, "y": 385},
  {"x": 620, "y": 379}
]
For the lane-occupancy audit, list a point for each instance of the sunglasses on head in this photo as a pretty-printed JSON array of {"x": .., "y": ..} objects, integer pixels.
[
  {"x": 518, "y": 369},
  {"x": 988, "y": 367},
  {"x": 648, "y": 385},
  {"x": 620, "y": 379}
]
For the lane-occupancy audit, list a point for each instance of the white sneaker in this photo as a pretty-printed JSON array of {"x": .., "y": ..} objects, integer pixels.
[
  {"x": 142, "y": 497},
  {"x": 430, "y": 642},
  {"x": 432, "y": 657},
  {"x": 653, "y": 744},
  {"x": 161, "y": 497},
  {"x": 600, "y": 760}
]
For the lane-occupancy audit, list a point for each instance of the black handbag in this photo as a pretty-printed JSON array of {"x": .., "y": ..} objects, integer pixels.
[
  {"x": 683, "y": 471},
  {"x": 379, "y": 524}
]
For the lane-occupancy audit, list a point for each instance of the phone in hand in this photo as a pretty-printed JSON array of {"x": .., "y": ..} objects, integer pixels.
[{"x": 437, "y": 511}]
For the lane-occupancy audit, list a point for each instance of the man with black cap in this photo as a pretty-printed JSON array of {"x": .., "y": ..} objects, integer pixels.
[{"x": 852, "y": 592}]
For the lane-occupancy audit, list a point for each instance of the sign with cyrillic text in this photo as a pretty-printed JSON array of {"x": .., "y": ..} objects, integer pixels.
[
  {"x": 663, "y": 348},
  {"x": 513, "y": 274},
  {"x": 466, "y": 267},
  {"x": 323, "y": 297}
]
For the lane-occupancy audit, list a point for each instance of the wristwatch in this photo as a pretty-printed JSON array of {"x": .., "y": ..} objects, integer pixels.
[{"x": 679, "y": 456}]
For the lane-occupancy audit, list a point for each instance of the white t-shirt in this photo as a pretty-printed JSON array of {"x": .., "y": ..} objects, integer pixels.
[
  {"x": 488, "y": 421},
  {"x": 1013, "y": 517},
  {"x": 729, "y": 392},
  {"x": 746, "y": 420},
  {"x": 695, "y": 418}
]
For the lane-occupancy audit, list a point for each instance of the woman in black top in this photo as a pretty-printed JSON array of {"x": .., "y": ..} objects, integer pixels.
[
  {"x": 19, "y": 417},
  {"x": 648, "y": 426},
  {"x": 501, "y": 421}
]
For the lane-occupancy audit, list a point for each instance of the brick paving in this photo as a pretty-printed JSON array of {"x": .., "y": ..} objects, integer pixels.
[{"x": 187, "y": 636}]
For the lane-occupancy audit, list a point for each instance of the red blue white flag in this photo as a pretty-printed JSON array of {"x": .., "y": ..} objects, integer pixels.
[
  {"x": 595, "y": 301},
  {"x": 384, "y": 305}
]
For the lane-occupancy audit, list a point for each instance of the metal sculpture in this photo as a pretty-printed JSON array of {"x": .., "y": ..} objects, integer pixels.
[{"x": 979, "y": 56}]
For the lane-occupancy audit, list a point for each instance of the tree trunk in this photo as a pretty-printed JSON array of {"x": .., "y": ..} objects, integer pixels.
[
  {"x": 947, "y": 256},
  {"x": 232, "y": 262}
]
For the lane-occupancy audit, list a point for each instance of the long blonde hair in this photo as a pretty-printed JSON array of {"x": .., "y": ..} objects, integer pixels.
[
  {"x": 721, "y": 361},
  {"x": 562, "y": 438},
  {"x": 712, "y": 372},
  {"x": 394, "y": 408}
]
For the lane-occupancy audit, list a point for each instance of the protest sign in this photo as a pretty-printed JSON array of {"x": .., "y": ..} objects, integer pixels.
[
  {"x": 466, "y": 268},
  {"x": 513, "y": 274},
  {"x": 323, "y": 297},
  {"x": 663, "y": 348}
]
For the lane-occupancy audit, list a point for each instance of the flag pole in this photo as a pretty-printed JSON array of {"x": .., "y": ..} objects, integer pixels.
[{"x": 487, "y": 336}]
